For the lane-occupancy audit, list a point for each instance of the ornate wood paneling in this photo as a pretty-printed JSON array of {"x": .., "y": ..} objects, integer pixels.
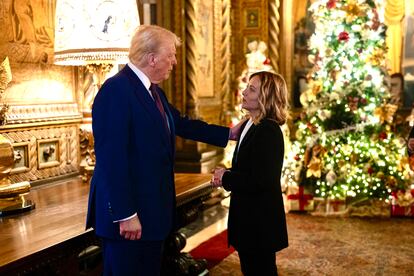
[
  {"x": 52, "y": 151},
  {"x": 203, "y": 75}
]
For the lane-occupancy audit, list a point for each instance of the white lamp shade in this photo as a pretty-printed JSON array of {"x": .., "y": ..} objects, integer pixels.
[{"x": 94, "y": 31}]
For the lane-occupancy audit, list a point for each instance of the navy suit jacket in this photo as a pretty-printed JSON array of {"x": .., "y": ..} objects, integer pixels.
[{"x": 135, "y": 157}]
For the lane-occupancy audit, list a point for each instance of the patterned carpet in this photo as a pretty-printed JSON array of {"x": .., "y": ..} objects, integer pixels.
[{"x": 340, "y": 246}]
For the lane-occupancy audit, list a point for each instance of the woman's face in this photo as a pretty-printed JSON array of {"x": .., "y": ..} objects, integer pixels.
[{"x": 251, "y": 96}]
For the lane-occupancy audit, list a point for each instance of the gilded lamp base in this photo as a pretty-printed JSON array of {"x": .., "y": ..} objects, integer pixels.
[{"x": 12, "y": 199}]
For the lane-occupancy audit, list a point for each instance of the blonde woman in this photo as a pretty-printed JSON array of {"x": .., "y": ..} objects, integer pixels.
[{"x": 257, "y": 223}]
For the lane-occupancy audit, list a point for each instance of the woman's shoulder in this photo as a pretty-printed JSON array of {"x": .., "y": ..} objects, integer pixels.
[
  {"x": 269, "y": 125},
  {"x": 266, "y": 122}
]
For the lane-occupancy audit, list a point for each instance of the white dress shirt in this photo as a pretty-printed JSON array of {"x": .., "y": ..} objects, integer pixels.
[{"x": 245, "y": 130}]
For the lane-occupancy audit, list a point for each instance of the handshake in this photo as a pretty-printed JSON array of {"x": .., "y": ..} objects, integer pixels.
[{"x": 216, "y": 179}]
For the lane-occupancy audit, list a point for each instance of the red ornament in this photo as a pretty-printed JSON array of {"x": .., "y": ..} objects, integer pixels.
[
  {"x": 370, "y": 170},
  {"x": 343, "y": 36},
  {"x": 267, "y": 61},
  {"x": 375, "y": 21},
  {"x": 331, "y": 4},
  {"x": 382, "y": 136},
  {"x": 297, "y": 158}
]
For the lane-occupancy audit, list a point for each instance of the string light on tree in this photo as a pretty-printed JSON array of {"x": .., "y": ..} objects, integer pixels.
[{"x": 347, "y": 143}]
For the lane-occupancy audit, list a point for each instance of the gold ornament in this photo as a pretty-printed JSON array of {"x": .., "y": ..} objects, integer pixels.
[
  {"x": 385, "y": 113},
  {"x": 314, "y": 167},
  {"x": 315, "y": 164},
  {"x": 352, "y": 11}
]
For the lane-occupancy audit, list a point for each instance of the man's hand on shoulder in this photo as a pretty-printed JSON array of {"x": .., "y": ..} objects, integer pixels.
[
  {"x": 235, "y": 131},
  {"x": 130, "y": 229}
]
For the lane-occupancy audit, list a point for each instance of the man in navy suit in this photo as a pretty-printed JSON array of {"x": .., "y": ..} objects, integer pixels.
[{"x": 132, "y": 194}]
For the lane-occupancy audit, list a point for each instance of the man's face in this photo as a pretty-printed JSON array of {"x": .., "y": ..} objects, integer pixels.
[{"x": 164, "y": 61}]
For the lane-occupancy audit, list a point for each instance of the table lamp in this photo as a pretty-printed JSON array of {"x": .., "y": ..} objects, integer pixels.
[{"x": 95, "y": 34}]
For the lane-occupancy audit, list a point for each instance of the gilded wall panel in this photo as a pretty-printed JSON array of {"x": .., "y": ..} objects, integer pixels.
[
  {"x": 203, "y": 74},
  {"x": 27, "y": 39},
  {"x": 205, "y": 54},
  {"x": 250, "y": 23}
]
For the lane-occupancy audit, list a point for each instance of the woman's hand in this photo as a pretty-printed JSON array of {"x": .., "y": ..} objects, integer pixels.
[{"x": 216, "y": 179}]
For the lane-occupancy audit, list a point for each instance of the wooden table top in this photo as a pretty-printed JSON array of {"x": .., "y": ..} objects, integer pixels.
[{"x": 60, "y": 215}]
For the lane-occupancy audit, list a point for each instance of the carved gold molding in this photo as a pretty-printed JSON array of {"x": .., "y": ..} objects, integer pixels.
[
  {"x": 286, "y": 61},
  {"x": 191, "y": 59},
  {"x": 42, "y": 113},
  {"x": 274, "y": 32},
  {"x": 225, "y": 49}
]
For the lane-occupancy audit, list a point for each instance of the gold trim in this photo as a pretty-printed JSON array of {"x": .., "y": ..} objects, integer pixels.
[
  {"x": 274, "y": 32},
  {"x": 14, "y": 189},
  {"x": 92, "y": 50},
  {"x": 7, "y": 128},
  {"x": 286, "y": 60},
  {"x": 226, "y": 72},
  {"x": 191, "y": 59}
]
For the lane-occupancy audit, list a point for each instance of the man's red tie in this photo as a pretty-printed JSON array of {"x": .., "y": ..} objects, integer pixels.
[{"x": 156, "y": 96}]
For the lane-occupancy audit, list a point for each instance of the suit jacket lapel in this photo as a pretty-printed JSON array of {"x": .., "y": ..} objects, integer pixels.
[
  {"x": 236, "y": 151},
  {"x": 246, "y": 138},
  {"x": 148, "y": 103}
]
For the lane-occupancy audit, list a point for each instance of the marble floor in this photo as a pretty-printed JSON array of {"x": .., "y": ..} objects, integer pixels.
[{"x": 212, "y": 221}]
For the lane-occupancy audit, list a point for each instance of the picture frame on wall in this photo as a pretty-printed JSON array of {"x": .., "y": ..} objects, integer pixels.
[
  {"x": 48, "y": 152},
  {"x": 21, "y": 157}
]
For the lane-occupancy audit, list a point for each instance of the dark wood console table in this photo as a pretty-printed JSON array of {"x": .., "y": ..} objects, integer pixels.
[{"x": 50, "y": 238}]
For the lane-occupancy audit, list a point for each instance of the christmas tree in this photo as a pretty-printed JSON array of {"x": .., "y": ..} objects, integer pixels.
[{"x": 347, "y": 141}]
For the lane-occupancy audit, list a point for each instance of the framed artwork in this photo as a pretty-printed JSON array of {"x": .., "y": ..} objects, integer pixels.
[
  {"x": 252, "y": 18},
  {"x": 21, "y": 157},
  {"x": 48, "y": 153},
  {"x": 204, "y": 33}
]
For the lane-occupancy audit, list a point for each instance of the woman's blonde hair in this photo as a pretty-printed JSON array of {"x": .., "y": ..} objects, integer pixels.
[
  {"x": 149, "y": 39},
  {"x": 273, "y": 103}
]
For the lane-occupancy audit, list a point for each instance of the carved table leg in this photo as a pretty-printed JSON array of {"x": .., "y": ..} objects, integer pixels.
[{"x": 177, "y": 263}]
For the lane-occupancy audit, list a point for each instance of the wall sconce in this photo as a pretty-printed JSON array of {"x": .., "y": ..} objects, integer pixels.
[{"x": 95, "y": 34}]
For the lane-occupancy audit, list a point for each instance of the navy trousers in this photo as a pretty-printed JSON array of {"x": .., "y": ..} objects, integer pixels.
[{"x": 138, "y": 258}]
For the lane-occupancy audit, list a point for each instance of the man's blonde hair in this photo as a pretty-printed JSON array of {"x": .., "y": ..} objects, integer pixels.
[
  {"x": 273, "y": 102},
  {"x": 149, "y": 39}
]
